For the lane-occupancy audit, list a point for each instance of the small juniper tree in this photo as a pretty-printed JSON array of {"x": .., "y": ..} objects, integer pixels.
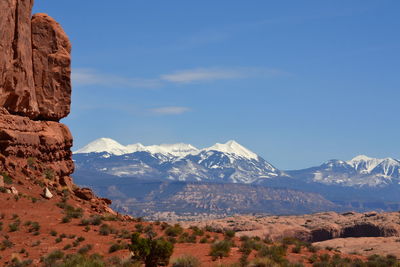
[{"x": 153, "y": 252}]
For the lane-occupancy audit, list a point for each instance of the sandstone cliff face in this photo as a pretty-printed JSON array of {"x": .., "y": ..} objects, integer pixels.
[
  {"x": 51, "y": 67},
  {"x": 35, "y": 93},
  {"x": 16, "y": 71},
  {"x": 34, "y": 63}
]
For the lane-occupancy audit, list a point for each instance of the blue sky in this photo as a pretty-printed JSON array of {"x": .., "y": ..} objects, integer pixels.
[{"x": 298, "y": 82}]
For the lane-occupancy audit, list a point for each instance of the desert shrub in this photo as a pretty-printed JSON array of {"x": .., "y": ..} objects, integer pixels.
[
  {"x": 80, "y": 239},
  {"x": 186, "y": 238},
  {"x": 125, "y": 234},
  {"x": 312, "y": 248},
  {"x": 229, "y": 234},
  {"x": 6, "y": 244},
  {"x": 92, "y": 220},
  {"x": 186, "y": 261},
  {"x": 139, "y": 228},
  {"x": 324, "y": 257},
  {"x": 68, "y": 246},
  {"x": 116, "y": 247},
  {"x": 220, "y": 249},
  {"x": 72, "y": 212},
  {"x": 7, "y": 178},
  {"x": 48, "y": 174},
  {"x": 85, "y": 249},
  {"x": 31, "y": 161},
  {"x": 152, "y": 252},
  {"x": 204, "y": 240},
  {"x": 66, "y": 219},
  {"x": 13, "y": 227},
  {"x": 381, "y": 261},
  {"x": 106, "y": 229},
  {"x": 18, "y": 263},
  {"x": 164, "y": 225},
  {"x": 51, "y": 259},
  {"x": 197, "y": 231},
  {"x": 263, "y": 262},
  {"x": 34, "y": 227},
  {"x": 296, "y": 249},
  {"x": 174, "y": 230},
  {"x": 275, "y": 253}
]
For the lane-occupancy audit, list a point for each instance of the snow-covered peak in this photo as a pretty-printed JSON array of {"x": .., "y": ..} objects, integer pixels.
[
  {"x": 113, "y": 147},
  {"x": 365, "y": 164},
  {"x": 232, "y": 147},
  {"x": 135, "y": 147},
  {"x": 104, "y": 145},
  {"x": 178, "y": 150}
]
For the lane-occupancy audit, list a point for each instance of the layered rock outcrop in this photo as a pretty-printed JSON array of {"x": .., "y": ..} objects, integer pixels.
[{"x": 35, "y": 93}]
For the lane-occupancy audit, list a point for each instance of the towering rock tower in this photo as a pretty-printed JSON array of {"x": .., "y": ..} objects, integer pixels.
[{"x": 35, "y": 93}]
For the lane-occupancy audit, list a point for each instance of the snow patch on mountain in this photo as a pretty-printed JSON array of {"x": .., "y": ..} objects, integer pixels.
[
  {"x": 179, "y": 150},
  {"x": 104, "y": 145},
  {"x": 232, "y": 147}
]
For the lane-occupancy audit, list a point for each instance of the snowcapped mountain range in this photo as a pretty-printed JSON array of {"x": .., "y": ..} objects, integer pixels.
[
  {"x": 359, "y": 171},
  {"x": 229, "y": 162}
]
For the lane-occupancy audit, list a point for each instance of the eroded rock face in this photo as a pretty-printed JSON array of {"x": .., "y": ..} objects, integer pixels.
[
  {"x": 51, "y": 67},
  {"x": 29, "y": 147},
  {"x": 17, "y": 92},
  {"x": 34, "y": 63}
]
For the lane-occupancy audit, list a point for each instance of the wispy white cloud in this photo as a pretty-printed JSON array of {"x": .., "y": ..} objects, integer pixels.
[
  {"x": 201, "y": 74},
  {"x": 213, "y": 74},
  {"x": 92, "y": 77},
  {"x": 173, "y": 110},
  {"x": 82, "y": 77}
]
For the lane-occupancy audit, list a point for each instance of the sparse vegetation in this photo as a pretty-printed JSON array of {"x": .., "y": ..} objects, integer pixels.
[
  {"x": 174, "y": 231},
  {"x": 106, "y": 229},
  {"x": 117, "y": 246},
  {"x": 85, "y": 249},
  {"x": 152, "y": 252},
  {"x": 7, "y": 178},
  {"x": 186, "y": 261},
  {"x": 220, "y": 249}
]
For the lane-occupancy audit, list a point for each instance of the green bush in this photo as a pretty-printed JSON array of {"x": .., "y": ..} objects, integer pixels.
[
  {"x": 186, "y": 261},
  {"x": 13, "y": 227},
  {"x": 152, "y": 252},
  {"x": 220, "y": 249},
  {"x": 106, "y": 229},
  {"x": 174, "y": 230},
  {"x": 275, "y": 253},
  {"x": 7, "y": 178},
  {"x": 229, "y": 234},
  {"x": 85, "y": 249},
  {"x": 34, "y": 227},
  {"x": 6, "y": 244},
  {"x": 116, "y": 247},
  {"x": 263, "y": 262}
]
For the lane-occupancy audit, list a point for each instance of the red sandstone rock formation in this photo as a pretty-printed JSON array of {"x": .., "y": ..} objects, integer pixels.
[
  {"x": 17, "y": 93},
  {"x": 34, "y": 63},
  {"x": 35, "y": 93},
  {"x": 51, "y": 67}
]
